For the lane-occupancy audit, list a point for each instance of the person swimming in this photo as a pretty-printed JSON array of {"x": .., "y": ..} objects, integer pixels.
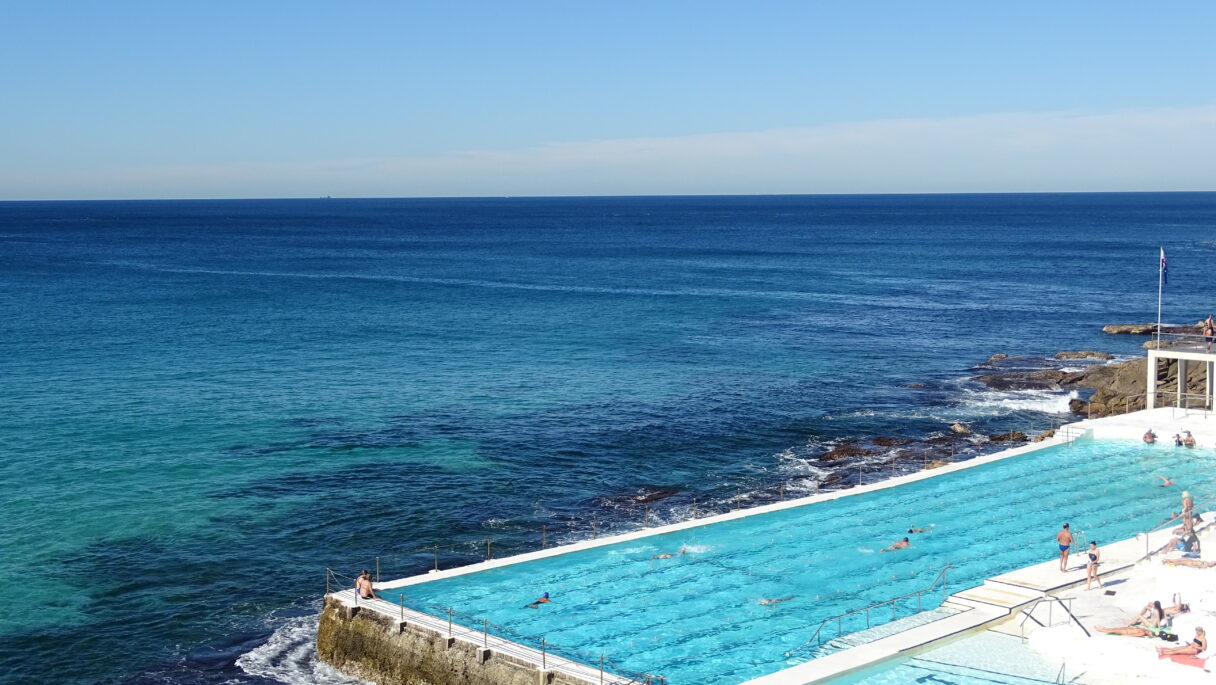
[
  {"x": 1165, "y": 481},
  {"x": 917, "y": 530},
  {"x": 770, "y": 602},
  {"x": 684, "y": 549},
  {"x": 543, "y": 599},
  {"x": 902, "y": 544}
]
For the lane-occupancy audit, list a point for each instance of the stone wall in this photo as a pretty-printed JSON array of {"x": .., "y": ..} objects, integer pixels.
[{"x": 375, "y": 647}]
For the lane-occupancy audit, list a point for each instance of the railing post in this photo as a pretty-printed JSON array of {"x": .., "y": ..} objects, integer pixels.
[
  {"x": 782, "y": 491},
  {"x": 694, "y": 507},
  {"x": 377, "y": 569},
  {"x": 402, "y": 597},
  {"x": 594, "y": 530},
  {"x": 645, "y": 515},
  {"x": 488, "y": 555},
  {"x": 542, "y": 654},
  {"x": 436, "y": 557},
  {"x": 449, "y": 621},
  {"x": 544, "y": 542},
  {"x": 601, "y": 669},
  {"x": 327, "y": 572},
  {"x": 485, "y": 632}
]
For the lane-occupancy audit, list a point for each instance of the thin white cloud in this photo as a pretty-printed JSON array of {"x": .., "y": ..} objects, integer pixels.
[{"x": 1157, "y": 149}]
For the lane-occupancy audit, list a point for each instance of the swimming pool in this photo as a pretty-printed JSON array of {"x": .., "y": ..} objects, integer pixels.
[{"x": 698, "y": 617}]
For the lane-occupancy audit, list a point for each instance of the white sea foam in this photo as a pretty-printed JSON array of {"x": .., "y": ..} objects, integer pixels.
[
  {"x": 986, "y": 403},
  {"x": 290, "y": 656}
]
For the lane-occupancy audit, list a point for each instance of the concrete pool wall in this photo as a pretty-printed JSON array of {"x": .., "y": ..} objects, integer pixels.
[{"x": 352, "y": 644}]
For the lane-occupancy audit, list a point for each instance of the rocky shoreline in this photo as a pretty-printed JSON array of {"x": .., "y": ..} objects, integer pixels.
[{"x": 1104, "y": 388}]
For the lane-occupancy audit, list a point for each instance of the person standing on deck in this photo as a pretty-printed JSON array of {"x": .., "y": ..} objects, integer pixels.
[
  {"x": 1209, "y": 331},
  {"x": 1064, "y": 540}
]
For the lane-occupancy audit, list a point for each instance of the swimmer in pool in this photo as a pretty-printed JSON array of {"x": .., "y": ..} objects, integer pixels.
[
  {"x": 668, "y": 555},
  {"x": 543, "y": 599},
  {"x": 770, "y": 602},
  {"x": 917, "y": 530},
  {"x": 1165, "y": 481},
  {"x": 1150, "y": 437},
  {"x": 902, "y": 544},
  {"x": 1189, "y": 440}
]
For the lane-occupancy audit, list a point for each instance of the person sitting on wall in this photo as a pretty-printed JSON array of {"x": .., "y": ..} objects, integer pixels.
[
  {"x": 1150, "y": 437},
  {"x": 363, "y": 586}
]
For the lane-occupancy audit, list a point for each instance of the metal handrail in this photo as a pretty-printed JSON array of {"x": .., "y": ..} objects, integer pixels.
[
  {"x": 941, "y": 578},
  {"x": 1064, "y": 603}
]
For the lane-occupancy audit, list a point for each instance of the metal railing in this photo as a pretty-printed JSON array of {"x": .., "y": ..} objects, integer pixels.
[
  {"x": 1065, "y": 604},
  {"x": 476, "y": 630},
  {"x": 918, "y": 594}
]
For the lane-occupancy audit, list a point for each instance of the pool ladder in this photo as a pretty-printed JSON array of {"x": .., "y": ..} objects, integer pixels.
[{"x": 939, "y": 580}]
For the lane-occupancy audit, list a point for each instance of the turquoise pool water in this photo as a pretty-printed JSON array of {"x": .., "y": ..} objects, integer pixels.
[{"x": 697, "y": 617}]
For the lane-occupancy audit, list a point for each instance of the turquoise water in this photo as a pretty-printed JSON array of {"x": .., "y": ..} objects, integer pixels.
[
  {"x": 697, "y": 617},
  {"x": 207, "y": 403},
  {"x": 985, "y": 658}
]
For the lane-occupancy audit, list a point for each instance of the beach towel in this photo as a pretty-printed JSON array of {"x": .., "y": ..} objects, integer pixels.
[{"x": 1188, "y": 660}]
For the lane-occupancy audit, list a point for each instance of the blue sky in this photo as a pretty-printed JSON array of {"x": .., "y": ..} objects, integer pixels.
[{"x": 299, "y": 99}]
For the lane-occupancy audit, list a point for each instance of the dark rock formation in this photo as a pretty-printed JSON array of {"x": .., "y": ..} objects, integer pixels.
[
  {"x": 960, "y": 429},
  {"x": 1085, "y": 354},
  {"x": 1011, "y": 436},
  {"x": 890, "y": 442},
  {"x": 1045, "y": 379},
  {"x": 845, "y": 450}
]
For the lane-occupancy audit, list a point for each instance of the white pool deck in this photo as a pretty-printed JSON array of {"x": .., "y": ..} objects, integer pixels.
[{"x": 999, "y": 599}]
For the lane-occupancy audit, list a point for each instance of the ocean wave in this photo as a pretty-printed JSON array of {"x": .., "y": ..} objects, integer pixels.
[
  {"x": 993, "y": 402},
  {"x": 290, "y": 656}
]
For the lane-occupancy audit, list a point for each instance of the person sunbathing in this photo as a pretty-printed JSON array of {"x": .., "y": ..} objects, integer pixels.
[
  {"x": 1132, "y": 631},
  {"x": 1150, "y": 617},
  {"x": 1197, "y": 646},
  {"x": 1179, "y": 607},
  {"x": 1189, "y": 563}
]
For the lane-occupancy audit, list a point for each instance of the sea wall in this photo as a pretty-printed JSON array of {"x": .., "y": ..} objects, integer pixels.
[{"x": 379, "y": 648}]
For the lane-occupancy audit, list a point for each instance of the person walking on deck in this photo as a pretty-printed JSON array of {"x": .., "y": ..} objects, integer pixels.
[
  {"x": 1092, "y": 556},
  {"x": 1064, "y": 540}
]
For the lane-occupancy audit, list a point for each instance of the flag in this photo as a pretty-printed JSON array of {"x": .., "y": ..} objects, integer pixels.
[{"x": 1164, "y": 272}]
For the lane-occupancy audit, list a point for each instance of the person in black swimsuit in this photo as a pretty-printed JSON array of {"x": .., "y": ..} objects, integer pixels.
[
  {"x": 1197, "y": 646},
  {"x": 1091, "y": 565}
]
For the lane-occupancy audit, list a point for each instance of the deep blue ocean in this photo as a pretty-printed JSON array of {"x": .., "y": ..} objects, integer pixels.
[{"x": 207, "y": 403}]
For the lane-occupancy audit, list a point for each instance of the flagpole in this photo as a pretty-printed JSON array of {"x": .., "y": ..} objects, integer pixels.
[{"x": 1160, "y": 279}]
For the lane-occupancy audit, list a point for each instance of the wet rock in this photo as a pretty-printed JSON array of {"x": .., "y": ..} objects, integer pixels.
[
  {"x": 890, "y": 442},
  {"x": 1077, "y": 406},
  {"x": 915, "y": 386},
  {"x": 1011, "y": 436},
  {"x": 653, "y": 494},
  {"x": 844, "y": 451},
  {"x": 940, "y": 439},
  {"x": 1130, "y": 329},
  {"x": 1049, "y": 433},
  {"x": 1086, "y": 354},
  {"x": 935, "y": 464},
  {"x": 1045, "y": 379},
  {"x": 959, "y": 429},
  {"x": 999, "y": 356}
]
